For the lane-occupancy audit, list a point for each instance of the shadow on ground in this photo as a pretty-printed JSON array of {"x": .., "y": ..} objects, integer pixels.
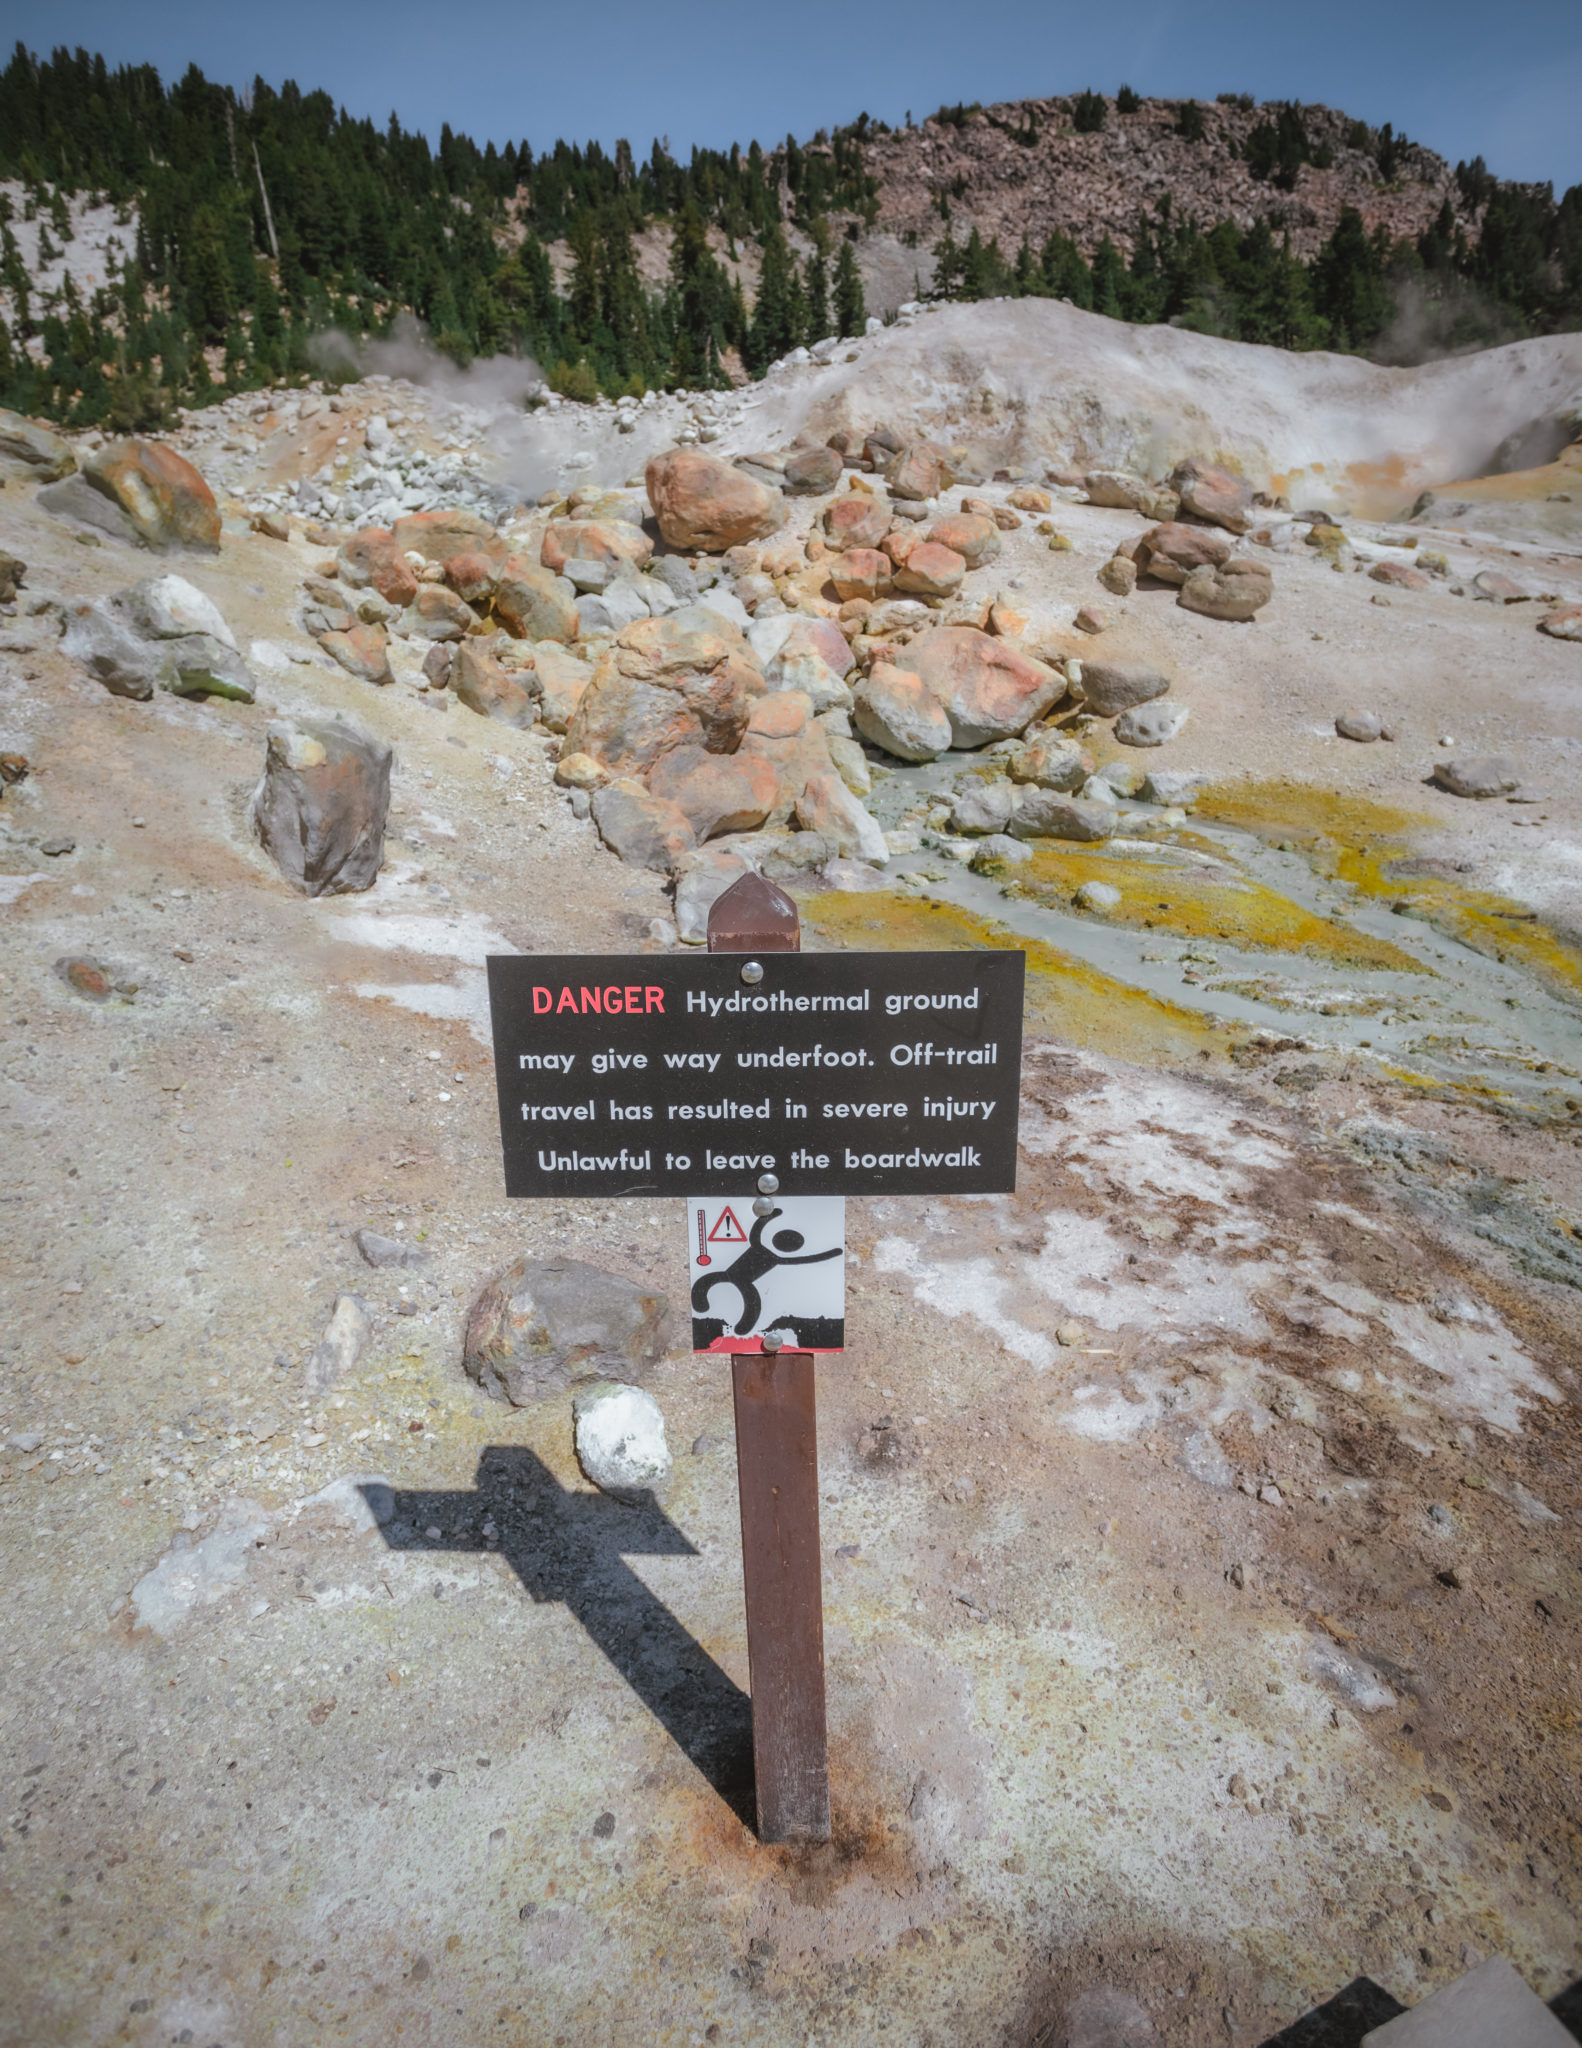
[
  {"x": 1344, "y": 2020},
  {"x": 572, "y": 1548}
]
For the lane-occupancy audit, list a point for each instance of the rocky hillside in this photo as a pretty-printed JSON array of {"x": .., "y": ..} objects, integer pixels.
[{"x": 1026, "y": 169}]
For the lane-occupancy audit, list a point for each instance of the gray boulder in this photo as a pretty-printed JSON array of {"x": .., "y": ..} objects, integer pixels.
[
  {"x": 1235, "y": 592},
  {"x": 1150, "y": 725},
  {"x": 1359, "y": 725},
  {"x": 701, "y": 879},
  {"x": 198, "y": 665},
  {"x": 36, "y": 444},
  {"x": 544, "y": 1325},
  {"x": 1048, "y": 814},
  {"x": 1495, "y": 775},
  {"x": 677, "y": 577},
  {"x": 1111, "y": 688},
  {"x": 984, "y": 806},
  {"x": 1174, "y": 786},
  {"x": 75, "y": 500},
  {"x": 319, "y": 811},
  {"x": 389, "y": 1251},
  {"x": 111, "y": 652},
  {"x": 164, "y": 633},
  {"x": 171, "y": 608}
]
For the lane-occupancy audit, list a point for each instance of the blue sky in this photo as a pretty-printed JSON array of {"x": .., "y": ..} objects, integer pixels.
[{"x": 1465, "y": 78}]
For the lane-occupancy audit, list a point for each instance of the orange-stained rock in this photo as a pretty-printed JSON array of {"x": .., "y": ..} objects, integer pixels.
[
  {"x": 861, "y": 572},
  {"x": 987, "y": 688},
  {"x": 160, "y": 492},
  {"x": 678, "y": 681},
  {"x": 594, "y": 540},
  {"x": 931, "y": 571},
  {"x": 917, "y": 472},
  {"x": 701, "y": 502},
  {"x": 782, "y": 715},
  {"x": 362, "y": 651},
  {"x": 439, "y": 614},
  {"x": 1398, "y": 575},
  {"x": 796, "y": 757},
  {"x": 717, "y": 792},
  {"x": 371, "y": 557},
  {"x": 827, "y": 806},
  {"x": 1172, "y": 551},
  {"x": 562, "y": 679},
  {"x": 1563, "y": 623},
  {"x": 858, "y": 521},
  {"x": 974, "y": 538},
  {"x": 899, "y": 544},
  {"x": 1028, "y": 498},
  {"x": 471, "y": 576},
  {"x": 483, "y": 685},
  {"x": 1005, "y": 621},
  {"x": 532, "y": 603},
  {"x": 436, "y": 536},
  {"x": 1210, "y": 493},
  {"x": 694, "y": 638},
  {"x": 644, "y": 829},
  {"x": 897, "y": 711},
  {"x": 1002, "y": 515}
]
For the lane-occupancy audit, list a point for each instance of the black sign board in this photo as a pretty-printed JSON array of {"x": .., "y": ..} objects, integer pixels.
[{"x": 839, "y": 1073}]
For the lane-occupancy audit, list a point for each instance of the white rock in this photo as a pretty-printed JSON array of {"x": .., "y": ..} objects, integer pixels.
[
  {"x": 169, "y": 607},
  {"x": 621, "y": 1440}
]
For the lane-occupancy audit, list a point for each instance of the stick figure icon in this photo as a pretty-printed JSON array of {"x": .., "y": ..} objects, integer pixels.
[{"x": 752, "y": 1264}]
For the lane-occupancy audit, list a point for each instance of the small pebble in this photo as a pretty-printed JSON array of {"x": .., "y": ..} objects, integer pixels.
[
  {"x": 56, "y": 847},
  {"x": 1071, "y": 1333}
]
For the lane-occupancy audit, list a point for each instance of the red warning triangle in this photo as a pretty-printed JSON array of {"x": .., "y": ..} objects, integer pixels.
[{"x": 727, "y": 1230}]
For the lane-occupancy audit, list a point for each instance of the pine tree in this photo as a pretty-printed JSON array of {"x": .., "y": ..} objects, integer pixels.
[
  {"x": 818, "y": 315},
  {"x": 206, "y": 278},
  {"x": 1109, "y": 280},
  {"x": 851, "y": 311},
  {"x": 772, "y": 332}
]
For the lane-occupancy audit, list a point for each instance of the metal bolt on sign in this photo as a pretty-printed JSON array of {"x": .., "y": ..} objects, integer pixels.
[{"x": 777, "y": 1475}]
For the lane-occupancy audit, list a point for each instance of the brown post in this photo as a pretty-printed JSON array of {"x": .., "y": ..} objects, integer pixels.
[{"x": 777, "y": 1476}]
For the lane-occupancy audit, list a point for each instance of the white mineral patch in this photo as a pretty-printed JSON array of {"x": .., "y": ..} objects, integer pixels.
[
  {"x": 1167, "y": 1140},
  {"x": 465, "y": 1000},
  {"x": 970, "y": 1287},
  {"x": 11, "y": 886},
  {"x": 1488, "y": 1374},
  {"x": 464, "y": 937}
]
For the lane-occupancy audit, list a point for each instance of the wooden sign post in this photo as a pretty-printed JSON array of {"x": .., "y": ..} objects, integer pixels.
[
  {"x": 777, "y": 1478},
  {"x": 810, "y": 1080}
]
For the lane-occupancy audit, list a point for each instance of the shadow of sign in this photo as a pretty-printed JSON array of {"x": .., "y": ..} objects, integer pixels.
[{"x": 571, "y": 1549}]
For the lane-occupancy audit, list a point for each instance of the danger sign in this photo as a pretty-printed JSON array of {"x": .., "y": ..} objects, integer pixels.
[{"x": 784, "y": 1270}]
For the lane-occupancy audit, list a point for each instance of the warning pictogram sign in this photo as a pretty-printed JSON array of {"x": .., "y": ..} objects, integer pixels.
[{"x": 786, "y": 1272}]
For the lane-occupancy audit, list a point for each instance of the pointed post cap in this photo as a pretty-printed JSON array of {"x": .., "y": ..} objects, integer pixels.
[{"x": 753, "y": 916}]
